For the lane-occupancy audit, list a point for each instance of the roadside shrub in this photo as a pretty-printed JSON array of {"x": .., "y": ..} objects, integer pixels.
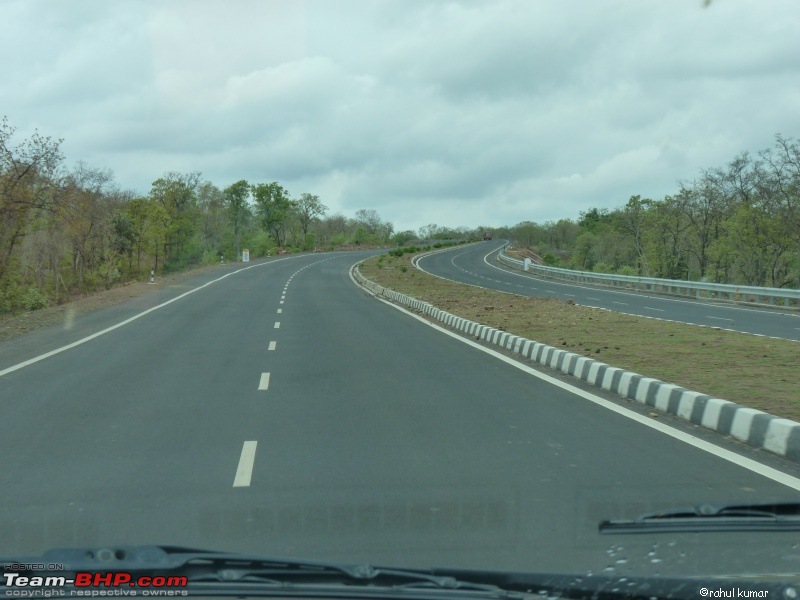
[
  {"x": 10, "y": 298},
  {"x": 628, "y": 271},
  {"x": 34, "y": 299},
  {"x": 209, "y": 257},
  {"x": 310, "y": 241},
  {"x": 261, "y": 244},
  {"x": 602, "y": 267}
]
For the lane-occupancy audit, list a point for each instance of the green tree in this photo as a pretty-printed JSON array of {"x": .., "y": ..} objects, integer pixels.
[
  {"x": 237, "y": 197},
  {"x": 176, "y": 194},
  {"x": 309, "y": 208},
  {"x": 27, "y": 184},
  {"x": 273, "y": 206}
]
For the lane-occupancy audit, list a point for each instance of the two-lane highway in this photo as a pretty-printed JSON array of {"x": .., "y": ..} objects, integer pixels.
[
  {"x": 283, "y": 410},
  {"x": 477, "y": 265}
]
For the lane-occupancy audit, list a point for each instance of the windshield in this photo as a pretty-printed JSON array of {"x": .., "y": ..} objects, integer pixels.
[{"x": 206, "y": 209}]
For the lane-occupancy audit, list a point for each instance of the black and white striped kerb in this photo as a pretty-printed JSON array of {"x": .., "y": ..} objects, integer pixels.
[{"x": 777, "y": 435}]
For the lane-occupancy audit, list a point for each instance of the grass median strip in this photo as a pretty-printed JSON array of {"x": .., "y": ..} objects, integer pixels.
[{"x": 757, "y": 372}]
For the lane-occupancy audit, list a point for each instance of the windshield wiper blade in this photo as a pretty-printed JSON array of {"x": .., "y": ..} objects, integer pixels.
[{"x": 774, "y": 516}]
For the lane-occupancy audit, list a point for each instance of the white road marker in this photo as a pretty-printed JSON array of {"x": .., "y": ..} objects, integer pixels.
[
  {"x": 244, "y": 471},
  {"x": 272, "y": 345},
  {"x": 264, "y": 383},
  {"x": 280, "y": 310},
  {"x": 281, "y": 301},
  {"x": 277, "y": 324}
]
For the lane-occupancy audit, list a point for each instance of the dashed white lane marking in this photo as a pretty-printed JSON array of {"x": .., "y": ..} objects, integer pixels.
[
  {"x": 272, "y": 345},
  {"x": 551, "y": 292},
  {"x": 264, "y": 383},
  {"x": 595, "y": 299},
  {"x": 277, "y": 324},
  {"x": 97, "y": 334},
  {"x": 280, "y": 310},
  {"x": 282, "y": 301},
  {"x": 244, "y": 471},
  {"x": 570, "y": 295},
  {"x": 621, "y": 303},
  {"x": 718, "y": 318},
  {"x": 651, "y": 308}
]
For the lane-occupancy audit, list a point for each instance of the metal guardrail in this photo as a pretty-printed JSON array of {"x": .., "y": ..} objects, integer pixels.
[{"x": 674, "y": 287}]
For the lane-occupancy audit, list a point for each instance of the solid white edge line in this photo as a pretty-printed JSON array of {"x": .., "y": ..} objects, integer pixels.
[
  {"x": 97, "y": 334},
  {"x": 244, "y": 471},
  {"x": 263, "y": 384},
  {"x": 713, "y": 449}
]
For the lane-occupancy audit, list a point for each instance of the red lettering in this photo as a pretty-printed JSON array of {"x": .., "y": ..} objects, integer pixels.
[{"x": 100, "y": 579}]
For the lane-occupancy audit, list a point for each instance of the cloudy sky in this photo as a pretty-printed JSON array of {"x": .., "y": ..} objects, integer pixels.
[{"x": 456, "y": 113}]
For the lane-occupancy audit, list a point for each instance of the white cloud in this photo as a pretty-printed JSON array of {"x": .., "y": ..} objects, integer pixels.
[{"x": 458, "y": 113}]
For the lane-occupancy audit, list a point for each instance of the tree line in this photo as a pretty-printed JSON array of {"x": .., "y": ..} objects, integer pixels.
[
  {"x": 69, "y": 231},
  {"x": 737, "y": 224}
]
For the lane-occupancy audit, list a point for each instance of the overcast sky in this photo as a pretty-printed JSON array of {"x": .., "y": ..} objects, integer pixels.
[{"x": 454, "y": 113}]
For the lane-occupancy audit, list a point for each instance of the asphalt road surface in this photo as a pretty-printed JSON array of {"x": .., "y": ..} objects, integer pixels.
[
  {"x": 280, "y": 409},
  {"x": 477, "y": 264}
]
